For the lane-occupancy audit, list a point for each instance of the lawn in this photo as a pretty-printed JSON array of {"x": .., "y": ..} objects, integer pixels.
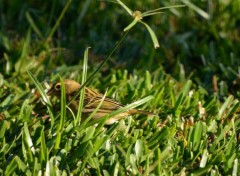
[{"x": 177, "y": 59}]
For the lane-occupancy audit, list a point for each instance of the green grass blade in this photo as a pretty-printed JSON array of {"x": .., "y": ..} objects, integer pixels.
[
  {"x": 235, "y": 167},
  {"x": 44, "y": 97},
  {"x": 186, "y": 88},
  {"x": 28, "y": 137},
  {"x": 33, "y": 25},
  {"x": 15, "y": 163},
  {"x": 63, "y": 106},
  {"x": 147, "y": 13},
  {"x": 3, "y": 127},
  {"x": 131, "y": 25},
  {"x": 58, "y": 20},
  {"x": 152, "y": 34},
  {"x": 138, "y": 149},
  {"x": 21, "y": 63},
  {"x": 82, "y": 93},
  {"x": 89, "y": 134},
  {"x": 129, "y": 11},
  {"x": 225, "y": 107},
  {"x": 27, "y": 144},
  {"x": 25, "y": 112},
  {"x": 196, "y": 9},
  {"x": 62, "y": 115},
  {"x": 51, "y": 168},
  {"x": 204, "y": 158},
  {"x": 43, "y": 149},
  {"x": 155, "y": 13}
]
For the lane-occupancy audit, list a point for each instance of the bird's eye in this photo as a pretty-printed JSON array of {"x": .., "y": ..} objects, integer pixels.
[{"x": 58, "y": 87}]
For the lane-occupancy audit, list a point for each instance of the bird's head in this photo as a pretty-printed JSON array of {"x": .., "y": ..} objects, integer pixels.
[{"x": 71, "y": 86}]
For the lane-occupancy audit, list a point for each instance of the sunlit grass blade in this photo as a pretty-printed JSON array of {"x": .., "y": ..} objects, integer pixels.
[
  {"x": 82, "y": 93},
  {"x": 27, "y": 145},
  {"x": 185, "y": 90},
  {"x": 28, "y": 137},
  {"x": 235, "y": 167},
  {"x": 44, "y": 96},
  {"x": 204, "y": 158},
  {"x": 51, "y": 167},
  {"x": 152, "y": 34},
  {"x": 166, "y": 153},
  {"x": 15, "y": 163},
  {"x": 131, "y": 24},
  {"x": 224, "y": 107},
  {"x": 138, "y": 148},
  {"x": 26, "y": 110},
  {"x": 89, "y": 134}
]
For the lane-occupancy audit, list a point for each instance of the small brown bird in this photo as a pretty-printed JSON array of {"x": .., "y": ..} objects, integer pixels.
[{"x": 91, "y": 101}]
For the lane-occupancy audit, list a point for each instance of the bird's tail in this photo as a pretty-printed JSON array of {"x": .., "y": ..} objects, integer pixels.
[{"x": 136, "y": 111}]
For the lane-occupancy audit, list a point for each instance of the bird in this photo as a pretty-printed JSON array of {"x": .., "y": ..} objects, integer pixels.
[{"x": 92, "y": 98}]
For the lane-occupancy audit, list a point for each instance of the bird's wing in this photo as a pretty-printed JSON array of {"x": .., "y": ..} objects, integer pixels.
[
  {"x": 93, "y": 98},
  {"x": 108, "y": 103}
]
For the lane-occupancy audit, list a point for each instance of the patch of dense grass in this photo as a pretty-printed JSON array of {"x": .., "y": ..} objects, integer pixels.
[{"x": 193, "y": 79}]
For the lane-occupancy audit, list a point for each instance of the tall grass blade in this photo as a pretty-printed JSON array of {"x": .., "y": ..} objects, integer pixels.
[
  {"x": 82, "y": 93},
  {"x": 33, "y": 25},
  {"x": 62, "y": 115},
  {"x": 44, "y": 97},
  {"x": 58, "y": 20}
]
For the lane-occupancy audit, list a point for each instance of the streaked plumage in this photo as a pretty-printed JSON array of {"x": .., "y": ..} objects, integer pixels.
[{"x": 91, "y": 100}]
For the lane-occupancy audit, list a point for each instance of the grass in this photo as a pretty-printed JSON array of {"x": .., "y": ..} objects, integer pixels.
[{"x": 191, "y": 82}]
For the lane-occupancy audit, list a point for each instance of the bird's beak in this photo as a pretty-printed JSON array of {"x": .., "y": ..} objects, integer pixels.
[{"x": 50, "y": 92}]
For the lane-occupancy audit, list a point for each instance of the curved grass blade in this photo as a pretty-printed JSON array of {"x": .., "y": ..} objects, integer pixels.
[
  {"x": 131, "y": 24},
  {"x": 129, "y": 11},
  {"x": 152, "y": 34}
]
